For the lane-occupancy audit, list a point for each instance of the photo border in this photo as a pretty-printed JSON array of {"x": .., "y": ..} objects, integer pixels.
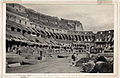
[{"x": 61, "y": 74}]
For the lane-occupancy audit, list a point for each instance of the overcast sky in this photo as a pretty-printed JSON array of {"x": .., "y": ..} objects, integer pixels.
[{"x": 93, "y": 17}]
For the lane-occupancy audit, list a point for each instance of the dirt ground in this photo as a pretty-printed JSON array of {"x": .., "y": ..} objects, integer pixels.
[{"x": 58, "y": 65}]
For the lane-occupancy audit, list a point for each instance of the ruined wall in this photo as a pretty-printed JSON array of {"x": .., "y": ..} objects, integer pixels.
[
  {"x": 43, "y": 30},
  {"x": 55, "y": 22}
]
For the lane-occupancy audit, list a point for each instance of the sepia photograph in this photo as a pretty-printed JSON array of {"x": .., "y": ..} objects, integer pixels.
[{"x": 59, "y": 38}]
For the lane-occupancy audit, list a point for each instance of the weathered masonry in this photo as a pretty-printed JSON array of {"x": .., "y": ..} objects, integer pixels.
[{"x": 31, "y": 33}]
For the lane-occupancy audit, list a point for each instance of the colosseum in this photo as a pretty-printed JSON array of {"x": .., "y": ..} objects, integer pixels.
[{"x": 33, "y": 35}]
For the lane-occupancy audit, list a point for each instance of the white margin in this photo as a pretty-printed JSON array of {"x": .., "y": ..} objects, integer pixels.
[{"x": 65, "y": 75}]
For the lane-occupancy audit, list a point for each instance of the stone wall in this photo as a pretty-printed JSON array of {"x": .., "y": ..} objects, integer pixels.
[{"x": 44, "y": 20}]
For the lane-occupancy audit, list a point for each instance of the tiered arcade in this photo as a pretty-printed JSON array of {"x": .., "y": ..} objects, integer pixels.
[{"x": 39, "y": 34}]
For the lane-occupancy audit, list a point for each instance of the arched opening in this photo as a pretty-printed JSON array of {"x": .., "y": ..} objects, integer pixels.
[
  {"x": 18, "y": 30},
  {"x": 23, "y": 32},
  {"x": 12, "y": 28},
  {"x": 33, "y": 33},
  {"x": 38, "y": 34},
  {"x": 79, "y": 37},
  {"x": 29, "y": 32}
]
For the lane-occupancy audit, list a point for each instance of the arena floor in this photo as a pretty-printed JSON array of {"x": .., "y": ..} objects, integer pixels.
[{"x": 58, "y": 65}]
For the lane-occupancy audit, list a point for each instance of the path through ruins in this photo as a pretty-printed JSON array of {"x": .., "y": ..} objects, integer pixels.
[{"x": 59, "y": 65}]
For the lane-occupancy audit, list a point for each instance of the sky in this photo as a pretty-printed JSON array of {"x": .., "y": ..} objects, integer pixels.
[{"x": 94, "y": 17}]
